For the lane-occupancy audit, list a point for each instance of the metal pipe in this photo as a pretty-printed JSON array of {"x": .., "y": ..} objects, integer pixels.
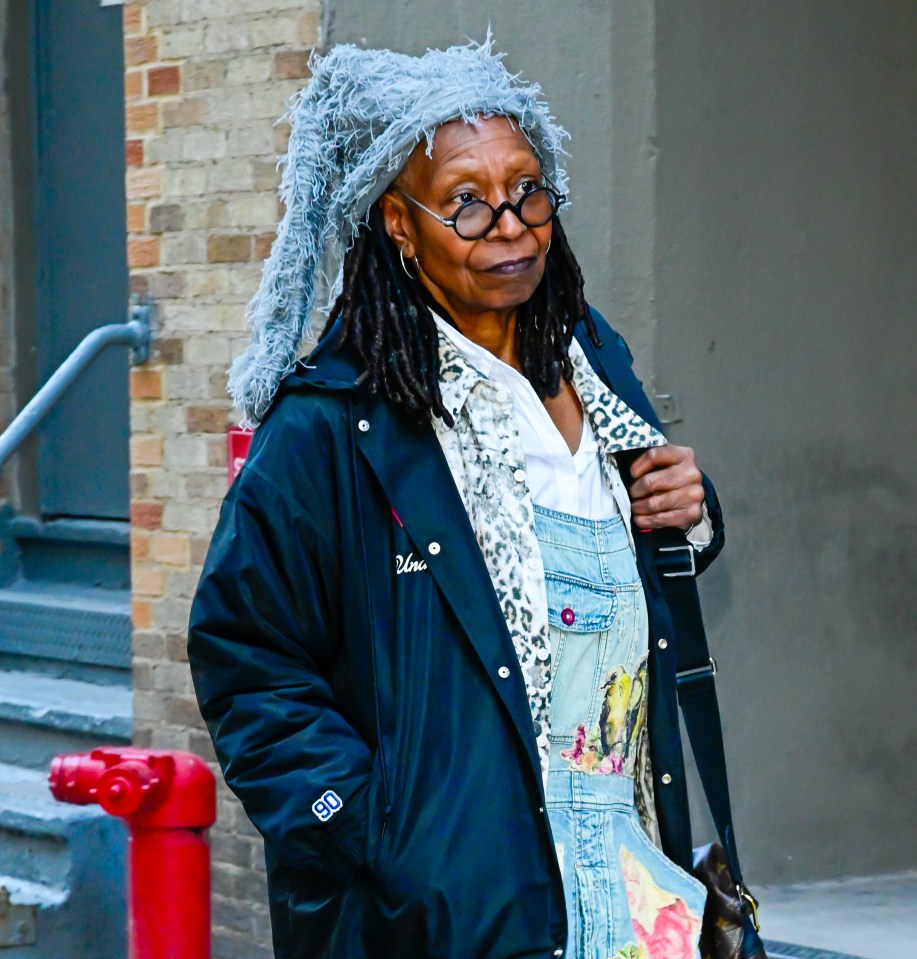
[{"x": 135, "y": 333}]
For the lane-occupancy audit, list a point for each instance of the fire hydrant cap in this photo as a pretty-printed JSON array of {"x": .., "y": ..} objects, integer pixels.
[{"x": 124, "y": 789}]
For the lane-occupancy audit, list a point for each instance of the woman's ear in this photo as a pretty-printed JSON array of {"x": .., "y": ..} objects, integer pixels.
[{"x": 397, "y": 221}]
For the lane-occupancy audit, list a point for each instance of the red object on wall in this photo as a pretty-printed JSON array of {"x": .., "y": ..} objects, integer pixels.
[
  {"x": 168, "y": 800},
  {"x": 238, "y": 441}
]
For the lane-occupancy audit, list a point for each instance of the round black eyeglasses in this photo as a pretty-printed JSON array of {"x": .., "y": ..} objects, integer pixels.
[{"x": 476, "y": 218}]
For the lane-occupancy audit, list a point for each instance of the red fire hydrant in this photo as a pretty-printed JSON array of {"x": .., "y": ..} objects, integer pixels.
[{"x": 168, "y": 800}]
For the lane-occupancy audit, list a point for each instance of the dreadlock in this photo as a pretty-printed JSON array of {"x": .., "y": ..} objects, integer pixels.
[{"x": 386, "y": 317}]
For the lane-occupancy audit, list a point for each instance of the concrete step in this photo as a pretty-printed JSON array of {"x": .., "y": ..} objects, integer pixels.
[
  {"x": 41, "y": 716},
  {"x": 66, "y": 622},
  {"x": 59, "y": 862},
  {"x": 65, "y": 639},
  {"x": 35, "y": 828},
  {"x": 87, "y": 552}
]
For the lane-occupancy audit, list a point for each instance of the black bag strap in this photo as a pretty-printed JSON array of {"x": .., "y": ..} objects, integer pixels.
[{"x": 695, "y": 672}]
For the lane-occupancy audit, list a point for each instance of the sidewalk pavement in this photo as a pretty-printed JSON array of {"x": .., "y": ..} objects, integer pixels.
[{"x": 868, "y": 918}]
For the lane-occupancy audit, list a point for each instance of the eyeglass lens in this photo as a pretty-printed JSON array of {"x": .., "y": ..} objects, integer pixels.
[{"x": 477, "y": 217}]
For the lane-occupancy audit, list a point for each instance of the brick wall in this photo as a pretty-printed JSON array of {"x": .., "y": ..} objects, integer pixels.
[
  {"x": 7, "y": 341},
  {"x": 204, "y": 82}
]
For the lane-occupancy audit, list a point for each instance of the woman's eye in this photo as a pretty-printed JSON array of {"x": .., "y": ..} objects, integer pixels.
[
  {"x": 464, "y": 197},
  {"x": 526, "y": 186}
]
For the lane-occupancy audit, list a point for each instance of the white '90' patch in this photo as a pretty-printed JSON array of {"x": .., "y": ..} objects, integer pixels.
[{"x": 327, "y": 806}]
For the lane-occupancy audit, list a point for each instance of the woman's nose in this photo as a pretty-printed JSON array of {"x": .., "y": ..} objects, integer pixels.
[{"x": 508, "y": 225}]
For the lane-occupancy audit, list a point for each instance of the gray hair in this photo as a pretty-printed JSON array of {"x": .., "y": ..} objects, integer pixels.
[{"x": 353, "y": 128}]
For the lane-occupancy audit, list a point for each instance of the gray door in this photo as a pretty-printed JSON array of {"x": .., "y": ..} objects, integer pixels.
[{"x": 81, "y": 268}]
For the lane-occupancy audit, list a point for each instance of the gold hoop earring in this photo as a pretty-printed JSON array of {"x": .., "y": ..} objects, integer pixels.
[{"x": 404, "y": 267}]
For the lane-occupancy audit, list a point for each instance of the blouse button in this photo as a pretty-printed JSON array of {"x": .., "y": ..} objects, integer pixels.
[
  {"x": 503, "y": 672},
  {"x": 543, "y": 653},
  {"x": 663, "y": 643},
  {"x": 567, "y": 615},
  {"x": 532, "y": 563},
  {"x": 519, "y": 475},
  {"x": 434, "y": 549},
  {"x": 666, "y": 779},
  {"x": 502, "y": 396}
]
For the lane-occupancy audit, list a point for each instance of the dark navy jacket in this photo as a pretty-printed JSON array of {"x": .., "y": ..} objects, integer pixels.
[{"x": 360, "y": 715}]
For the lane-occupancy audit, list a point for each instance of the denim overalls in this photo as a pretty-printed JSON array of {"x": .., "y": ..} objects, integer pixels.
[{"x": 625, "y": 899}]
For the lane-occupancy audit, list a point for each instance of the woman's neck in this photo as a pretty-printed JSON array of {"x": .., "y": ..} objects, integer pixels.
[{"x": 494, "y": 330}]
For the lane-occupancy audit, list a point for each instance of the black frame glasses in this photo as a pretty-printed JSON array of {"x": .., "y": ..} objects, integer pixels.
[{"x": 557, "y": 200}]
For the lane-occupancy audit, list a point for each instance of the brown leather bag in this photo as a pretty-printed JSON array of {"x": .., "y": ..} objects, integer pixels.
[{"x": 730, "y": 913}]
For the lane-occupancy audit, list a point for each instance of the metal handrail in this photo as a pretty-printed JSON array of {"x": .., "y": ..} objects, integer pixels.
[{"x": 135, "y": 334}]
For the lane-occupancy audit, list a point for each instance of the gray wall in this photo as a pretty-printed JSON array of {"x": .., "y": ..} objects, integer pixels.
[
  {"x": 786, "y": 283},
  {"x": 744, "y": 182}
]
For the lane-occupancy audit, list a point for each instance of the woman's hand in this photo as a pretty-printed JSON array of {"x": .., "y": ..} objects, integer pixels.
[{"x": 667, "y": 490}]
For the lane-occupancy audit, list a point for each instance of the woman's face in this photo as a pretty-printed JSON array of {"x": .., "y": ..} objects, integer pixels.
[{"x": 490, "y": 161}]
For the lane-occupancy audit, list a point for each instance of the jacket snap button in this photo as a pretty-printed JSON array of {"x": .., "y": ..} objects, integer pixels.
[
  {"x": 666, "y": 778},
  {"x": 663, "y": 644},
  {"x": 363, "y": 426},
  {"x": 503, "y": 672},
  {"x": 434, "y": 549},
  {"x": 567, "y": 615}
]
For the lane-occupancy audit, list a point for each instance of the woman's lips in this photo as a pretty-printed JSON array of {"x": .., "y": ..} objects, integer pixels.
[{"x": 512, "y": 267}]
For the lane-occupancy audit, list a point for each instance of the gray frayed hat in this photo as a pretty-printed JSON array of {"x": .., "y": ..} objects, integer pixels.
[{"x": 353, "y": 128}]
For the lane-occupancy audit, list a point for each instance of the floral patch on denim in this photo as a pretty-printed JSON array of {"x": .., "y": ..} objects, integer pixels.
[
  {"x": 610, "y": 747},
  {"x": 663, "y": 924},
  {"x": 618, "y": 743}
]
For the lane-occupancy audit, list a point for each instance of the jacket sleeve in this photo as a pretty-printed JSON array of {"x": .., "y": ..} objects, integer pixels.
[
  {"x": 262, "y": 643},
  {"x": 617, "y": 361}
]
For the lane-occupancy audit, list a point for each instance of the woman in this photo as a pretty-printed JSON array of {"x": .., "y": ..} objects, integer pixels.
[{"x": 430, "y": 640}]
